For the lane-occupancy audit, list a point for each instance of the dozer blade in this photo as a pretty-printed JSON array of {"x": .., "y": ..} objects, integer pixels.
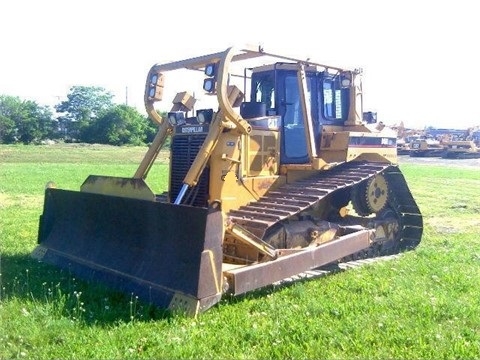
[{"x": 168, "y": 255}]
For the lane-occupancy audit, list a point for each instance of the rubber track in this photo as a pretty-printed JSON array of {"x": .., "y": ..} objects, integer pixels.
[
  {"x": 290, "y": 199},
  {"x": 403, "y": 203}
]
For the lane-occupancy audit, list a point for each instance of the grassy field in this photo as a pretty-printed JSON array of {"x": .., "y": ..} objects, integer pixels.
[{"x": 423, "y": 305}]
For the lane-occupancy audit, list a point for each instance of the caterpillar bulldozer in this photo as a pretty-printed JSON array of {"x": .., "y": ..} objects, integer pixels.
[
  {"x": 280, "y": 175},
  {"x": 461, "y": 149},
  {"x": 426, "y": 147}
]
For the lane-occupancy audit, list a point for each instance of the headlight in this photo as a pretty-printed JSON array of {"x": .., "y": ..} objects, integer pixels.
[
  {"x": 176, "y": 118},
  {"x": 201, "y": 118},
  {"x": 204, "y": 116},
  {"x": 209, "y": 85},
  {"x": 210, "y": 69},
  {"x": 346, "y": 83}
]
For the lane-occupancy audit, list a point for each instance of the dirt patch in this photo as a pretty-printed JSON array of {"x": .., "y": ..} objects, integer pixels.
[
  {"x": 24, "y": 201},
  {"x": 452, "y": 226},
  {"x": 470, "y": 163},
  {"x": 3, "y": 200}
]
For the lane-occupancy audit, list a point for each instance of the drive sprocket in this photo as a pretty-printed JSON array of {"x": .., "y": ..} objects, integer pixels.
[{"x": 370, "y": 196}]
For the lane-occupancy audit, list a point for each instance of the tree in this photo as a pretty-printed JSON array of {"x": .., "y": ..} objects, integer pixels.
[
  {"x": 84, "y": 104},
  {"x": 38, "y": 124},
  {"x": 24, "y": 121},
  {"x": 11, "y": 112},
  {"x": 119, "y": 125},
  {"x": 7, "y": 130}
]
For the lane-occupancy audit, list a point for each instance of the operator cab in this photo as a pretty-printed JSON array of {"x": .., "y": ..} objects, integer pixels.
[{"x": 275, "y": 90}]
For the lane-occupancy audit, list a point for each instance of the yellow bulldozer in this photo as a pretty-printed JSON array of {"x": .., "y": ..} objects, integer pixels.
[
  {"x": 461, "y": 149},
  {"x": 278, "y": 176}
]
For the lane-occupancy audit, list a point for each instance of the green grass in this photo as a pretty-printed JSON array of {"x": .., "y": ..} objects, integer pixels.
[{"x": 423, "y": 304}]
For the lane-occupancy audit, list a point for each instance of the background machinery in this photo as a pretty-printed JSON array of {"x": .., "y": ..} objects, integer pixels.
[
  {"x": 426, "y": 147},
  {"x": 461, "y": 149},
  {"x": 280, "y": 175}
]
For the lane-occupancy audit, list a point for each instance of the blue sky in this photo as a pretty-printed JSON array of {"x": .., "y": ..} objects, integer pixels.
[{"x": 420, "y": 58}]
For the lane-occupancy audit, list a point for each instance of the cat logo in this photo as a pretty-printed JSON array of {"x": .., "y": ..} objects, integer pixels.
[{"x": 192, "y": 129}]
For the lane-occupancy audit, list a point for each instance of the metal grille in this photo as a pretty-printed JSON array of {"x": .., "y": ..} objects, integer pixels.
[{"x": 184, "y": 149}]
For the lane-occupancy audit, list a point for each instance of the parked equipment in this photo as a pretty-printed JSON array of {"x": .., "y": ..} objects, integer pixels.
[
  {"x": 279, "y": 176},
  {"x": 461, "y": 149},
  {"x": 426, "y": 147}
]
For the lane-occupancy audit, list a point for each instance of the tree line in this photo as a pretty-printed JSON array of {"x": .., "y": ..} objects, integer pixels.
[{"x": 88, "y": 115}]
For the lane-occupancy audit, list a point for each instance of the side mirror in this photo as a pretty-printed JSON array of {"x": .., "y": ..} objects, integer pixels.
[{"x": 370, "y": 117}]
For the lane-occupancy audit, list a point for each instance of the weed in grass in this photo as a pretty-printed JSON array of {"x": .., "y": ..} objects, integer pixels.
[
  {"x": 78, "y": 309},
  {"x": 133, "y": 307}
]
